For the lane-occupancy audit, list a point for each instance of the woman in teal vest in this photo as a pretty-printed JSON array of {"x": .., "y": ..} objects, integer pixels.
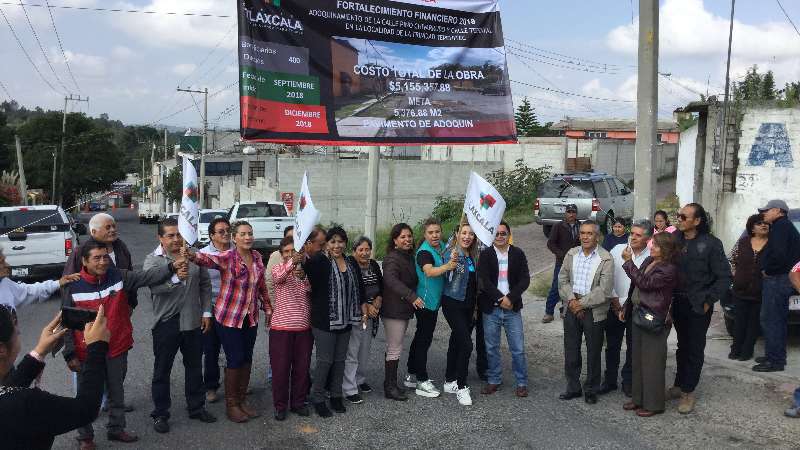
[{"x": 431, "y": 265}]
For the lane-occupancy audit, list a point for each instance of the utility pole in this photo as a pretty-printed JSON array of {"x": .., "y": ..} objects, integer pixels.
[
  {"x": 205, "y": 143},
  {"x": 725, "y": 106},
  {"x": 373, "y": 169},
  {"x": 53, "y": 191},
  {"x": 73, "y": 98},
  {"x": 165, "y": 145},
  {"x": 644, "y": 199},
  {"x": 23, "y": 186}
]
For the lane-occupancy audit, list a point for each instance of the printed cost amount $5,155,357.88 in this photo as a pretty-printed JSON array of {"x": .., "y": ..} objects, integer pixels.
[{"x": 417, "y": 86}]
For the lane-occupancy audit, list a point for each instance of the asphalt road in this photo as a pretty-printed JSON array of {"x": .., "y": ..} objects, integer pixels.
[{"x": 736, "y": 408}]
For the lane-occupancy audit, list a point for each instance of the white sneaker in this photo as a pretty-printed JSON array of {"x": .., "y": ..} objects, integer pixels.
[
  {"x": 464, "y": 399},
  {"x": 450, "y": 387},
  {"x": 427, "y": 389},
  {"x": 410, "y": 381}
]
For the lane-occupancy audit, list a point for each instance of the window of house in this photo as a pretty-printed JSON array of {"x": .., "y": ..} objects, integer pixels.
[{"x": 257, "y": 170}]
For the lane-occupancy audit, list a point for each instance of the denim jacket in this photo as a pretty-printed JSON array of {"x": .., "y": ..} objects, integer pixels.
[{"x": 456, "y": 281}]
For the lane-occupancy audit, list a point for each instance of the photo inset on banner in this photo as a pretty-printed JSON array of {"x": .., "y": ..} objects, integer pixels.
[{"x": 391, "y": 90}]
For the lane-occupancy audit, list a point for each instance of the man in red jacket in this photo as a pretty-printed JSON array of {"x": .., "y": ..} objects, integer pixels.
[{"x": 103, "y": 284}]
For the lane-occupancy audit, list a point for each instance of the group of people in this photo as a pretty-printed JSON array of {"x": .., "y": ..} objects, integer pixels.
[
  {"x": 640, "y": 283},
  {"x": 326, "y": 301}
]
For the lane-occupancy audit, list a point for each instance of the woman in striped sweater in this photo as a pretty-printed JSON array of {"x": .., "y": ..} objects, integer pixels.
[{"x": 290, "y": 339}]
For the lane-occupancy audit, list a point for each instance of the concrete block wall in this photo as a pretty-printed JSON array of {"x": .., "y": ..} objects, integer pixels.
[
  {"x": 769, "y": 153},
  {"x": 534, "y": 151},
  {"x": 407, "y": 188}
]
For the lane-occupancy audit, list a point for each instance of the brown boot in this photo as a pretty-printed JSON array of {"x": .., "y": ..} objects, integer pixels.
[
  {"x": 244, "y": 382},
  {"x": 232, "y": 409},
  {"x": 390, "y": 389}
]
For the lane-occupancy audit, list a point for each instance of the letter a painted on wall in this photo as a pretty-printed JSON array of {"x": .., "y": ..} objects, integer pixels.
[{"x": 772, "y": 143}]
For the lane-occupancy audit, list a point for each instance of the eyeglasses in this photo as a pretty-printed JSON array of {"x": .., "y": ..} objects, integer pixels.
[{"x": 502, "y": 233}]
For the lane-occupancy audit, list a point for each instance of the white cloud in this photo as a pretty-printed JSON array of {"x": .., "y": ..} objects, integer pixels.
[
  {"x": 688, "y": 29},
  {"x": 85, "y": 65},
  {"x": 169, "y": 31},
  {"x": 122, "y": 53},
  {"x": 183, "y": 69}
]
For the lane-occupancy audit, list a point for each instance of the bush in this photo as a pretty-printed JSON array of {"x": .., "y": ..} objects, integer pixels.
[
  {"x": 518, "y": 186},
  {"x": 447, "y": 209}
]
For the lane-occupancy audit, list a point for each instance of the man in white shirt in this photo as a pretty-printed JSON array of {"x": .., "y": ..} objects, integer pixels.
[
  {"x": 17, "y": 294},
  {"x": 617, "y": 323}
]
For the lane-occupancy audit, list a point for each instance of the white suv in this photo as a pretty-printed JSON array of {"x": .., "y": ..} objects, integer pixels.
[{"x": 36, "y": 240}]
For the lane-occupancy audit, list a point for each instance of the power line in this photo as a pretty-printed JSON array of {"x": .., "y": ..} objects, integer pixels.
[
  {"x": 577, "y": 68},
  {"x": 589, "y": 97},
  {"x": 41, "y": 48},
  {"x": 571, "y": 59},
  {"x": 788, "y": 18},
  {"x": 61, "y": 45},
  {"x": 211, "y": 95},
  {"x": 27, "y": 55},
  {"x": 117, "y": 10}
]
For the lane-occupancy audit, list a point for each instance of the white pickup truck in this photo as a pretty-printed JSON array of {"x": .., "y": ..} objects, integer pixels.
[
  {"x": 37, "y": 240},
  {"x": 268, "y": 219},
  {"x": 149, "y": 212}
]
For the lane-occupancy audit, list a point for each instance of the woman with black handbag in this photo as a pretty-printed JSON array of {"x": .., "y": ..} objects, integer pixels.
[{"x": 651, "y": 294}]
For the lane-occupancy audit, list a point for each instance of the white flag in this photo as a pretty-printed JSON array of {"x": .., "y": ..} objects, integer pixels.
[
  {"x": 484, "y": 208},
  {"x": 190, "y": 212},
  {"x": 307, "y": 216}
]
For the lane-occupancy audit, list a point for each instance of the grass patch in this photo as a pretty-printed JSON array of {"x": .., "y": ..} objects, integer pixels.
[
  {"x": 540, "y": 284},
  {"x": 520, "y": 214}
]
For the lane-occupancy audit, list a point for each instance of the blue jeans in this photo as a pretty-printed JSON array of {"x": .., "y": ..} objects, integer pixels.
[
  {"x": 797, "y": 398},
  {"x": 512, "y": 322},
  {"x": 774, "y": 314},
  {"x": 552, "y": 296}
]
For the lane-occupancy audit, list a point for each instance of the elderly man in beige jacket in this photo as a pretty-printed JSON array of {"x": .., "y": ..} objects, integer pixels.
[{"x": 585, "y": 285}]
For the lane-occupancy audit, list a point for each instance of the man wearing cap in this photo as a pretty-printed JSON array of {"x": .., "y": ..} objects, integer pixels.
[
  {"x": 779, "y": 255},
  {"x": 563, "y": 237}
]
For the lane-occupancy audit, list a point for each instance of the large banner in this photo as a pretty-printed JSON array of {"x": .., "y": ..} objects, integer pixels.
[{"x": 373, "y": 72}]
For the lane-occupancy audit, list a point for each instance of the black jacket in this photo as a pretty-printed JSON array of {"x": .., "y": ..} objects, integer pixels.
[
  {"x": 318, "y": 271},
  {"x": 782, "y": 250},
  {"x": 519, "y": 278},
  {"x": 121, "y": 254},
  {"x": 704, "y": 271},
  {"x": 399, "y": 285},
  {"x": 561, "y": 240},
  {"x": 31, "y": 418}
]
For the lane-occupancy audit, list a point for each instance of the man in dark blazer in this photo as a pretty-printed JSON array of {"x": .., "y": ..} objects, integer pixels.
[
  {"x": 503, "y": 277},
  {"x": 563, "y": 237}
]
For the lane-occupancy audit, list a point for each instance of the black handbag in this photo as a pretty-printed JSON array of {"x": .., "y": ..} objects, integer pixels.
[{"x": 647, "y": 320}]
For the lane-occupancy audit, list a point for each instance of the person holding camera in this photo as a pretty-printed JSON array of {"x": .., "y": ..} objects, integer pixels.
[
  {"x": 102, "y": 284},
  {"x": 31, "y": 418}
]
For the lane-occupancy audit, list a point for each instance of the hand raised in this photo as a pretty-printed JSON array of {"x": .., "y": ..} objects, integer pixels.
[
  {"x": 97, "y": 330},
  {"x": 50, "y": 336}
]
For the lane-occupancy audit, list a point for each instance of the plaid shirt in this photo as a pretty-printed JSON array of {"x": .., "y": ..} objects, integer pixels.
[
  {"x": 240, "y": 288},
  {"x": 582, "y": 267}
]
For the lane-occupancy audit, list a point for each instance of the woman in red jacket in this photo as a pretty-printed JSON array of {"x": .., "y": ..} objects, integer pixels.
[{"x": 651, "y": 294}]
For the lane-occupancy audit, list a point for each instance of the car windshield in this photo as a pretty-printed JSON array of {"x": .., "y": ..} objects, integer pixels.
[
  {"x": 260, "y": 210},
  {"x": 11, "y": 220},
  {"x": 209, "y": 216},
  {"x": 566, "y": 189}
]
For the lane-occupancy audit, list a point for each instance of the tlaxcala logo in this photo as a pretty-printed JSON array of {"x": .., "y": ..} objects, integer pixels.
[{"x": 487, "y": 201}]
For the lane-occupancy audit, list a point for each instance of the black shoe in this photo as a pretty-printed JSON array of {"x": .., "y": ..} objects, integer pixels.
[
  {"x": 747, "y": 357},
  {"x": 354, "y": 399},
  {"x": 302, "y": 411},
  {"x": 280, "y": 416},
  {"x": 365, "y": 388},
  {"x": 570, "y": 395},
  {"x": 590, "y": 399},
  {"x": 203, "y": 416},
  {"x": 606, "y": 388},
  {"x": 767, "y": 367},
  {"x": 627, "y": 390},
  {"x": 734, "y": 355},
  {"x": 338, "y": 406},
  {"x": 161, "y": 425},
  {"x": 322, "y": 410},
  {"x": 762, "y": 360}
]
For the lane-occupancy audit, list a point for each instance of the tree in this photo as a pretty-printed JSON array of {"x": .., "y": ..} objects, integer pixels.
[
  {"x": 767, "y": 87},
  {"x": 173, "y": 184},
  {"x": 525, "y": 119},
  {"x": 92, "y": 162}
]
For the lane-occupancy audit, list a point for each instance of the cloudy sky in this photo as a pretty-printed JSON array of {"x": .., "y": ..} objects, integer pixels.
[{"x": 130, "y": 63}]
